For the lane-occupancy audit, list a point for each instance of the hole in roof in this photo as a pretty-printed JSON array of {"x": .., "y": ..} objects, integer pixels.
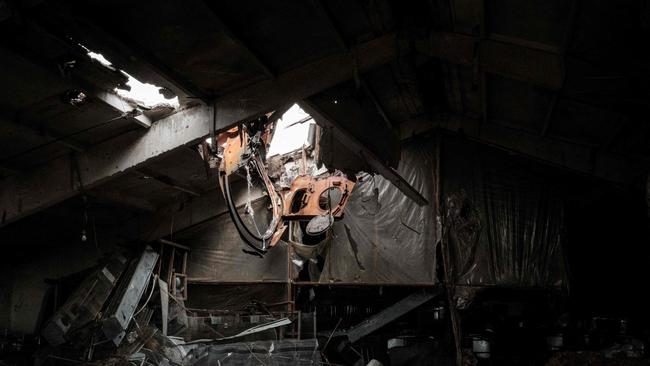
[
  {"x": 291, "y": 131},
  {"x": 144, "y": 94},
  {"x": 99, "y": 57}
]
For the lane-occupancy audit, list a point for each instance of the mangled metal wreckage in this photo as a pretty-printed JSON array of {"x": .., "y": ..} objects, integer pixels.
[
  {"x": 297, "y": 190},
  {"x": 124, "y": 313}
]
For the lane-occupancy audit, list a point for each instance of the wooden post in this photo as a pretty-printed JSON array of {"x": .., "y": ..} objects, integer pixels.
[{"x": 448, "y": 280}]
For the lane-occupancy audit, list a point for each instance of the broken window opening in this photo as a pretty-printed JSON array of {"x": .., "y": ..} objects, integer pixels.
[
  {"x": 292, "y": 132},
  {"x": 143, "y": 94}
]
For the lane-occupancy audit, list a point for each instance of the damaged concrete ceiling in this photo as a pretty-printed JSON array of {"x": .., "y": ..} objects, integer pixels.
[{"x": 572, "y": 93}]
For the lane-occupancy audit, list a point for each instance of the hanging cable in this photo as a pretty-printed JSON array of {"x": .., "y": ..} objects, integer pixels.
[
  {"x": 60, "y": 139},
  {"x": 153, "y": 287},
  {"x": 76, "y": 175}
]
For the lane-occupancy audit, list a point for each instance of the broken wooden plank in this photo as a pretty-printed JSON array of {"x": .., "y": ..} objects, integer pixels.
[{"x": 388, "y": 315}]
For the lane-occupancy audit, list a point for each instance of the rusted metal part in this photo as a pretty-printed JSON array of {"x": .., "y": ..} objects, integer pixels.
[
  {"x": 236, "y": 146},
  {"x": 306, "y": 198},
  {"x": 233, "y": 143},
  {"x": 311, "y": 196}
]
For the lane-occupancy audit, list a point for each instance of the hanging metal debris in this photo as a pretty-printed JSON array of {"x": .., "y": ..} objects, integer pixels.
[{"x": 318, "y": 199}]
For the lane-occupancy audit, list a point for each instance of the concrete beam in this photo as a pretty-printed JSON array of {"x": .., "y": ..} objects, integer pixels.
[
  {"x": 512, "y": 61},
  {"x": 352, "y": 143},
  {"x": 124, "y": 107},
  {"x": 574, "y": 157},
  {"x": 31, "y": 191}
]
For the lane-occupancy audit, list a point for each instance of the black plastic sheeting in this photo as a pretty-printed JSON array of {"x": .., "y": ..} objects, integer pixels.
[
  {"x": 217, "y": 254},
  {"x": 503, "y": 218},
  {"x": 384, "y": 236}
]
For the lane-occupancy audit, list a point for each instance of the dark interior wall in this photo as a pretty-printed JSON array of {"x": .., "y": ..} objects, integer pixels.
[
  {"x": 48, "y": 246},
  {"x": 604, "y": 228},
  {"x": 608, "y": 250},
  {"x": 6, "y": 290},
  {"x": 24, "y": 279}
]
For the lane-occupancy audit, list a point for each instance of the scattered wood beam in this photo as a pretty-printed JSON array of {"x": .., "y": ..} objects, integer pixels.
[
  {"x": 387, "y": 315},
  {"x": 516, "y": 62},
  {"x": 44, "y": 186},
  {"x": 352, "y": 143}
]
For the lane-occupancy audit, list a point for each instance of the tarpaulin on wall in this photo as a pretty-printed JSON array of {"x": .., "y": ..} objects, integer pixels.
[
  {"x": 384, "y": 236},
  {"x": 503, "y": 218},
  {"x": 217, "y": 254}
]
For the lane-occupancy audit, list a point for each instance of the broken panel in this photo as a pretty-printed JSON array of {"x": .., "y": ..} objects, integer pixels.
[
  {"x": 85, "y": 304},
  {"x": 124, "y": 302}
]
